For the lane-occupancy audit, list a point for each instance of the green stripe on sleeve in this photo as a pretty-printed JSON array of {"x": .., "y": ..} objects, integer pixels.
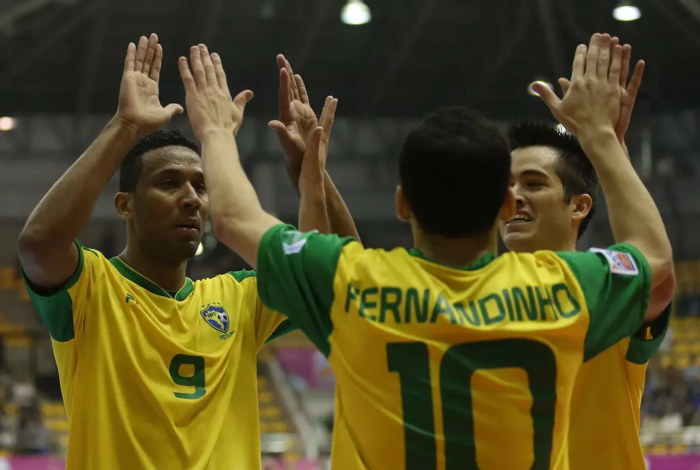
[
  {"x": 640, "y": 348},
  {"x": 296, "y": 272},
  {"x": 56, "y": 310},
  {"x": 617, "y": 302}
]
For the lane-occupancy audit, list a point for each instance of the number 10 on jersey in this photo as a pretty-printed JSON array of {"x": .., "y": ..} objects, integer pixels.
[{"x": 412, "y": 362}]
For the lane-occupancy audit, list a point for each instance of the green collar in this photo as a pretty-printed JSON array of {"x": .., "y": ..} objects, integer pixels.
[
  {"x": 478, "y": 264},
  {"x": 149, "y": 285}
]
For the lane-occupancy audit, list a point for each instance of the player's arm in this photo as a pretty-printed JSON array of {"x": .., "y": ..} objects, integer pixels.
[
  {"x": 297, "y": 122},
  {"x": 238, "y": 219},
  {"x": 634, "y": 217},
  {"x": 46, "y": 245}
]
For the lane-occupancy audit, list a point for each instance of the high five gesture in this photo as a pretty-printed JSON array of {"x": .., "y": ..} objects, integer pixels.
[{"x": 139, "y": 104}]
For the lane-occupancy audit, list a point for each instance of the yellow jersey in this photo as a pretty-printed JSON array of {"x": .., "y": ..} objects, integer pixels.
[
  {"x": 153, "y": 380},
  {"x": 605, "y": 417},
  {"x": 444, "y": 368}
]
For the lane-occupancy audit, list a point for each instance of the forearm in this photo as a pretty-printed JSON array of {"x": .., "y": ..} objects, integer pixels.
[
  {"x": 65, "y": 209},
  {"x": 312, "y": 204},
  {"x": 338, "y": 212},
  {"x": 633, "y": 214},
  {"x": 236, "y": 214}
]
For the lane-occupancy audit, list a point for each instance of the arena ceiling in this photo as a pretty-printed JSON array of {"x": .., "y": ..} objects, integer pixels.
[{"x": 65, "y": 56}]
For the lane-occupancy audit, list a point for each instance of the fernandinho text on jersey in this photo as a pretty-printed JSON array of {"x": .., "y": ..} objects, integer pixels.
[{"x": 517, "y": 304}]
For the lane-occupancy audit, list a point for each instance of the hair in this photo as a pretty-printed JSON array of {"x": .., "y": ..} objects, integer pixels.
[
  {"x": 573, "y": 168},
  {"x": 130, "y": 169},
  {"x": 451, "y": 157}
]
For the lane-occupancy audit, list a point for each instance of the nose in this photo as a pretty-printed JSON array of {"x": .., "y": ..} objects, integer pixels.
[{"x": 190, "y": 198}]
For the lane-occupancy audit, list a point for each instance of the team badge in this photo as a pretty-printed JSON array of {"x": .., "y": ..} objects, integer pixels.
[
  {"x": 215, "y": 315},
  {"x": 620, "y": 263}
]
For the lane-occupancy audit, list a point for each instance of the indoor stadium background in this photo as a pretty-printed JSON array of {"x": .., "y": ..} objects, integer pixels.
[{"x": 60, "y": 66}]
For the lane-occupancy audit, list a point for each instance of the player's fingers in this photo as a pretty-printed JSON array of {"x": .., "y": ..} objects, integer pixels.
[
  {"x": 220, "y": 73},
  {"x": 548, "y": 96},
  {"x": 209, "y": 69},
  {"x": 292, "y": 82},
  {"x": 565, "y": 85},
  {"x": 328, "y": 117},
  {"x": 592, "y": 56},
  {"x": 186, "y": 75},
  {"x": 579, "y": 68},
  {"x": 285, "y": 90},
  {"x": 303, "y": 94},
  {"x": 626, "y": 58},
  {"x": 200, "y": 76},
  {"x": 615, "y": 66},
  {"x": 154, "y": 74},
  {"x": 636, "y": 81},
  {"x": 130, "y": 57},
  {"x": 604, "y": 58},
  {"x": 141, "y": 49},
  {"x": 242, "y": 99},
  {"x": 150, "y": 53},
  {"x": 174, "y": 109}
]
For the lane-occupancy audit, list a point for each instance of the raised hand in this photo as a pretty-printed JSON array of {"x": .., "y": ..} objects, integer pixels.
[
  {"x": 139, "y": 105},
  {"x": 314, "y": 159},
  {"x": 594, "y": 91},
  {"x": 628, "y": 91},
  {"x": 297, "y": 120},
  {"x": 209, "y": 104}
]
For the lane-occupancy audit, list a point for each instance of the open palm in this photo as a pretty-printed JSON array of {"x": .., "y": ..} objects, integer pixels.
[
  {"x": 139, "y": 103},
  {"x": 297, "y": 120}
]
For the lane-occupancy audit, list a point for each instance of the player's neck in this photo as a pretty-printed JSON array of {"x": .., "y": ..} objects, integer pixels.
[
  {"x": 168, "y": 275},
  {"x": 452, "y": 251}
]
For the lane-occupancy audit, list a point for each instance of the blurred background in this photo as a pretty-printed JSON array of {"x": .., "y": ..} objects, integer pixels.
[{"x": 388, "y": 62}]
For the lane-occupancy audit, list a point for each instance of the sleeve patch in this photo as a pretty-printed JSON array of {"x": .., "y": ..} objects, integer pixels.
[
  {"x": 294, "y": 241},
  {"x": 620, "y": 263}
]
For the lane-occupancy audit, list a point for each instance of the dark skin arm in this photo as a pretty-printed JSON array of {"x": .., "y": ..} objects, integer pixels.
[
  {"x": 46, "y": 245},
  {"x": 297, "y": 123}
]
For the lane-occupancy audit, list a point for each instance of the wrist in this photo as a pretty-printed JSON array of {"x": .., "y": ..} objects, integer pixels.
[
  {"x": 596, "y": 135},
  {"x": 122, "y": 131},
  {"x": 216, "y": 133}
]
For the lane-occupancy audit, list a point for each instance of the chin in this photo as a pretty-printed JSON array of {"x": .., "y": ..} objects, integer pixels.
[
  {"x": 518, "y": 242},
  {"x": 186, "y": 250}
]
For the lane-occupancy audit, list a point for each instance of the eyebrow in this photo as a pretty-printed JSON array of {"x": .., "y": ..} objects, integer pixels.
[
  {"x": 534, "y": 172},
  {"x": 173, "y": 172}
]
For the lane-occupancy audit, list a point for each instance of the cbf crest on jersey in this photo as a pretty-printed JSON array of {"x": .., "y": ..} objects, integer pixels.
[{"x": 215, "y": 315}]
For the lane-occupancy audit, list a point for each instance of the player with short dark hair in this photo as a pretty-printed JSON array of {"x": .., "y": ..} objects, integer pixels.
[
  {"x": 445, "y": 356},
  {"x": 555, "y": 188},
  {"x": 157, "y": 371},
  {"x": 436, "y": 178}
]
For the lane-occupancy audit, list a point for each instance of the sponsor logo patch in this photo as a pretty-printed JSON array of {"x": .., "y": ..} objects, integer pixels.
[{"x": 620, "y": 263}]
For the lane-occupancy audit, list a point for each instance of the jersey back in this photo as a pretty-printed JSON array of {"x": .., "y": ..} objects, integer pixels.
[
  {"x": 451, "y": 368},
  {"x": 152, "y": 380}
]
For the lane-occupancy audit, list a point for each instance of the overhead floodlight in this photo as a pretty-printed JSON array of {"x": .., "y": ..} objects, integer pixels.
[
  {"x": 200, "y": 250},
  {"x": 532, "y": 92},
  {"x": 626, "y": 11},
  {"x": 7, "y": 123},
  {"x": 561, "y": 129},
  {"x": 355, "y": 12}
]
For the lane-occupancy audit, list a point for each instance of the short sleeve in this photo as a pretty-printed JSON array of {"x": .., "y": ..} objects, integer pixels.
[
  {"x": 63, "y": 312},
  {"x": 616, "y": 284},
  {"x": 296, "y": 272},
  {"x": 648, "y": 339}
]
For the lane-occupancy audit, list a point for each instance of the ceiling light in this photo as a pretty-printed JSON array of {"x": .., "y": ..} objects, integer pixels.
[
  {"x": 200, "y": 250},
  {"x": 7, "y": 123},
  {"x": 626, "y": 11},
  {"x": 355, "y": 12}
]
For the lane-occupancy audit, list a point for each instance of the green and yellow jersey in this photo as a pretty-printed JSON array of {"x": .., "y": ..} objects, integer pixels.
[
  {"x": 605, "y": 417},
  {"x": 443, "y": 368},
  {"x": 153, "y": 380}
]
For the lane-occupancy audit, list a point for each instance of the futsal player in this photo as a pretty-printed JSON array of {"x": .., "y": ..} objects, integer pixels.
[
  {"x": 157, "y": 371},
  {"x": 555, "y": 188},
  {"x": 445, "y": 356}
]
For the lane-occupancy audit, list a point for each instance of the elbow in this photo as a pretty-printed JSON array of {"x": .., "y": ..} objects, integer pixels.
[
  {"x": 30, "y": 243},
  {"x": 663, "y": 289}
]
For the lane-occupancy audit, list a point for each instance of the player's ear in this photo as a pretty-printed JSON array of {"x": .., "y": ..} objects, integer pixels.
[
  {"x": 403, "y": 210},
  {"x": 507, "y": 211},
  {"x": 122, "y": 202},
  {"x": 582, "y": 204}
]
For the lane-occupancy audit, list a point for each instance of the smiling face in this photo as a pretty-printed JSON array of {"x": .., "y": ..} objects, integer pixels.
[
  {"x": 543, "y": 220},
  {"x": 169, "y": 206}
]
